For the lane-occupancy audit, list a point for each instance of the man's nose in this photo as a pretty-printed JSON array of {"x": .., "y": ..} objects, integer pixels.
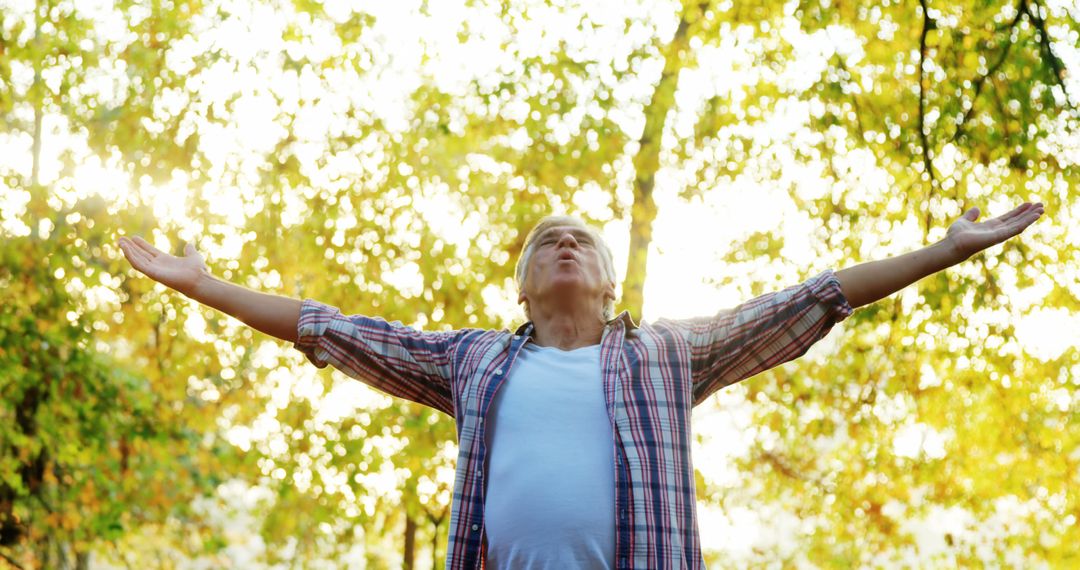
[{"x": 567, "y": 239}]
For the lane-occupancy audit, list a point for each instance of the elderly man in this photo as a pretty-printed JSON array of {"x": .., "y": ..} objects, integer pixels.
[{"x": 574, "y": 430}]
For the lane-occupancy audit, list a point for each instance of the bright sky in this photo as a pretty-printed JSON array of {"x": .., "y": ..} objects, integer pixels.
[{"x": 690, "y": 237}]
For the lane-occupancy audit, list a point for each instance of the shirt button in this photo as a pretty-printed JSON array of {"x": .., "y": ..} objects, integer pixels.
[
  {"x": 498, "y": 372},
  {"x": 477, "y": 527}
]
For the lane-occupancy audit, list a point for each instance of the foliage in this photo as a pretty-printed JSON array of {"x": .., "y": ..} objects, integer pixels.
[{"x": 314, "y": 152}]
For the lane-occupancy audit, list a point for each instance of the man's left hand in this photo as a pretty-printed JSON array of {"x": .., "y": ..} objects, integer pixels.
[{"x": 968, "y": 238}]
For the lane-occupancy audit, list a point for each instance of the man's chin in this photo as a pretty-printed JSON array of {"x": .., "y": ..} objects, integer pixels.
[{"x": 569, "y": 290}]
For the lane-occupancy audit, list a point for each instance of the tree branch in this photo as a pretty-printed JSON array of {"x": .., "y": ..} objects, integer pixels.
[
  {"x": 981, "y": 80},
  {"x": 38, "y": 97},
  {"x": 1048, "y": 52},
  {"x": 120, "y": 554},
  {"x": 1013, "y": 159},
  {"x": 647, "y": 159},
  {"x": 928, "y": 164},
  {"x": 781, "y": 466},
  {"x": 11, "y": 561},
  {"x": 854, "y": 100}
]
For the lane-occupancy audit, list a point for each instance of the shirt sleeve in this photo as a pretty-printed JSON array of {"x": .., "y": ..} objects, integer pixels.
[
  {"x": 389, "y": 356},
  {"x": 764, "y": 332}
]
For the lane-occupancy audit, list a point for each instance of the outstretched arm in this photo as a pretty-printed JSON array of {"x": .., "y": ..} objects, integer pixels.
[
  {"x": 271, "y": 314},
  {"x": 389, "y": 356},
  {"x": 869, "y": 282}
]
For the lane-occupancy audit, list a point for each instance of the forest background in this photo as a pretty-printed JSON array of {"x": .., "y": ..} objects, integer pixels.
[{"x": 388, "y": 158}]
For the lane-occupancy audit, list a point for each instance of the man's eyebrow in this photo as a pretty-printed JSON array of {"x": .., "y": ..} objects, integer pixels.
[{"x": 578, "y": 233}]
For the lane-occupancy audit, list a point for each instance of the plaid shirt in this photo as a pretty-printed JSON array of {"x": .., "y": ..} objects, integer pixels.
[{"x": 653, "y": 375}]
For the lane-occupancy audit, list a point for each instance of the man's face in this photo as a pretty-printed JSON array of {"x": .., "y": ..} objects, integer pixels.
[{"x": 566, "y": 262}]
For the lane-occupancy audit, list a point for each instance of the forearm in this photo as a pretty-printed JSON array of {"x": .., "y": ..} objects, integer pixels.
[
  {"x": 869, "y": 282},
  {"x": 274, "y": 315}
]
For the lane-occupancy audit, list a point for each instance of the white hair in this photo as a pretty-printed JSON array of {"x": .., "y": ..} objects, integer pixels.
[{"x": 551, "y": 221}]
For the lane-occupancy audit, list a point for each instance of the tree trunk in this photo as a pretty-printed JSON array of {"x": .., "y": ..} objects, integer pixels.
[
  {"x": 37, "y": 98},
  {"x": 410, "y": 543},
  {"x": 11, "y": 529},
  {"x": 436, "y": 521},
  {"x": 647, "y": 162}
]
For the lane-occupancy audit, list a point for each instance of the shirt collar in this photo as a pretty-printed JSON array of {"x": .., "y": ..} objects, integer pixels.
[{"x": 628, "y": 321}]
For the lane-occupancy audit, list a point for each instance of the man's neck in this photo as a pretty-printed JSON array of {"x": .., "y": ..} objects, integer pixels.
[{"x": 567, "y": 331}]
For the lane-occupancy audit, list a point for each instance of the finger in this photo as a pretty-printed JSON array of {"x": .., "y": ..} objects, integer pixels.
[
  {"x": 134, "y": 255},
  {"x": 972, "y": 214},
  {"x": 1021, "y": 222},
  {"x": 145, "y": 246},
  {"x": 1012, "y": 214},
  {"x": 189, "y": 249},
  {"x": 139, "y": 258},
  {"x": 1032, "y": 213},
  {"x": 126, "y": 246}
]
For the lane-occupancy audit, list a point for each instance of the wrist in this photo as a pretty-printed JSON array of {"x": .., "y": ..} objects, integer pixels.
[
  {"x": 199, "y": 289},
  {"x": 953, "y": 252}
]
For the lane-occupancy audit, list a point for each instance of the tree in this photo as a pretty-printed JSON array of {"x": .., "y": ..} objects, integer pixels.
[{"x": 315, "y": 155}]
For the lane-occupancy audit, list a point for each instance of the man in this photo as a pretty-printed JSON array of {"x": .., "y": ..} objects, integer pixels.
[{"x": 574, "y": 430}]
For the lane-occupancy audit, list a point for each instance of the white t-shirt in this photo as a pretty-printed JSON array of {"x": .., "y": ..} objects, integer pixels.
[{"x": 550, "y": 500}]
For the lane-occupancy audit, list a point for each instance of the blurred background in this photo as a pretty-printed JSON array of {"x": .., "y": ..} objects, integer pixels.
[{"x": 389, "y": 157}]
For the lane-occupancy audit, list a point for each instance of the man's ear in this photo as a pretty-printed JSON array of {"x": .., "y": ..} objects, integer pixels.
[
  {"x": 609, "y": 290},
  {"x": 522, "y": 299}
]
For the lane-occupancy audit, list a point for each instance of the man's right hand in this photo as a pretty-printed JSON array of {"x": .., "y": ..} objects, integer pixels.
[
  {"x": 274, "y": 315},
  {"x": 179, "y": 273}
]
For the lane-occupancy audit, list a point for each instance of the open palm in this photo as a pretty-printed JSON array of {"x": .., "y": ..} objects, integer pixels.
[
  {"x": 969, "y": 237},
  {"x": 179, "y": 273}
]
